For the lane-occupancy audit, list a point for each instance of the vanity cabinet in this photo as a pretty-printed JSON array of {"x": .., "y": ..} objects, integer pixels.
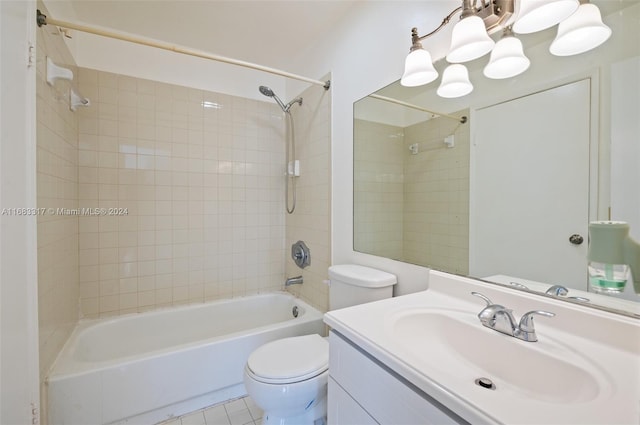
[
  {"x": 343, "y": 409},
  {"x": 363, "y": 391}
]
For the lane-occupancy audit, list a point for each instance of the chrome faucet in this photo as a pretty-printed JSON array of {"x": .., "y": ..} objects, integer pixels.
[
  {"x": 518, "y": 285},
  {"x": 501, "y": 319},
  {"x": 557, "y": 290},
  {"x": 561, "y": 291},
  {"x": 293, "y": 281}
]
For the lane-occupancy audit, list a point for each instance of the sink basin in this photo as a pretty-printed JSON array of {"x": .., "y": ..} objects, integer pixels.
[
  {"x": 457, "y": 344},
  {"x": 582, "y": 369}
]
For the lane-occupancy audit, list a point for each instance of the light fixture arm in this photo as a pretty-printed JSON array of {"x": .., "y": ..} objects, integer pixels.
[
  {"x": 580, "y": 29},
  {"x": 416, "y": 39},
  {"x": 494, "y": 14}
]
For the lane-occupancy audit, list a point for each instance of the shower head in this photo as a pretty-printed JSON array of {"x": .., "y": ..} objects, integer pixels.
[
  {"x": 269, "y": 93},
  {"x": 266, "y": 91}
]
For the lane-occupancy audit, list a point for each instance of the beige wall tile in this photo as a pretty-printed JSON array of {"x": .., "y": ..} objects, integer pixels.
[
  {"x": 310, "y": 221},
  {"x": 378, "y": 189},
  {"x": 182, "y": 172},
  {"x": 436, "y": 196},
  {"x": 413, "y": 207},
  {"x": 57, "y": 187}
]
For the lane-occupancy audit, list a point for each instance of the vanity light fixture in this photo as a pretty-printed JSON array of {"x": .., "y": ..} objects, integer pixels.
[
  {"x": 455, "y": 82},
  {"x": 538, "y": 15},
  {"x": 580, "y": 32},
  {"x": 479, "y": 19},
  {"x": 469, "y": 39},
  {"x": 507, "y": 58},
  {"x": 418, "y": 67}
]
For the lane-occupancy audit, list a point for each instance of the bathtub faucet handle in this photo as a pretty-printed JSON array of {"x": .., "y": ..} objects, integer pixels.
[{"x": 300, "y": 254}]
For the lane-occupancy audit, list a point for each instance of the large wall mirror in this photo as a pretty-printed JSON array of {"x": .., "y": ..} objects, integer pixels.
[{"x": 507, "y": 194}]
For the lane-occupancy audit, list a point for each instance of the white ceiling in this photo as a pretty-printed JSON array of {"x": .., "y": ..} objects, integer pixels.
[{"x": 265, "y": 32}]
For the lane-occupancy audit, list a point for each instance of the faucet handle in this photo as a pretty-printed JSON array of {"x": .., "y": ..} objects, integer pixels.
[
  {"x": 526, "y": 322},
  {"x": 526, "y": 330},
  {"x": 518, "y": 285},
  {"x": 496, "y": 316},
  {"x": 484, "y": 297},
  {"x": 557, "y": 290}
]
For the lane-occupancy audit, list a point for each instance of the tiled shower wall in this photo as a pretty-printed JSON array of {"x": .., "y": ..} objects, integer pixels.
[
  {"x": 436, "y": 195},
  {"x": 190, "y": 183},
  {"x": 378, "y": 188},
  {"x": 57, "y": 191},
  {"x": 310, "y": 222},
  {"x": 413, "y": 208}
]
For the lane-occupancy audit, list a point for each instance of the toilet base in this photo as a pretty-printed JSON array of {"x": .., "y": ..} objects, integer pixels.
[{"x": 314, "y": 415}]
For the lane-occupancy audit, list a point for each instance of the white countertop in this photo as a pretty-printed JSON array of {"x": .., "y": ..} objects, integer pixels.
[{"x": 604, "y": 345}]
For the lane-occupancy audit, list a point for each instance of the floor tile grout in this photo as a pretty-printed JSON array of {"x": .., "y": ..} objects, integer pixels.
[{"x": 240, "y": 411}]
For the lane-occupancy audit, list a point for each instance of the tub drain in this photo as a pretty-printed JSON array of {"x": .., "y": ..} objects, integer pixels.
[
  {"x": 485, "y": 383},
  {"x": 294, "y": 311}
]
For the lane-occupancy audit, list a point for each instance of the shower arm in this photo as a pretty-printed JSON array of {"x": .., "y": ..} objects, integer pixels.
[{"x": 42, "y": 19}]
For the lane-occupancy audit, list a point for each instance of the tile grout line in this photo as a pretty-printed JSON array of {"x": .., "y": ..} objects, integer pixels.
[{"x": 227, "y": 414}]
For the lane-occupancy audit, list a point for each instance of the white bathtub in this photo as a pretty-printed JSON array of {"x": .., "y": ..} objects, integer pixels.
[{"x": 145, "y": 368}]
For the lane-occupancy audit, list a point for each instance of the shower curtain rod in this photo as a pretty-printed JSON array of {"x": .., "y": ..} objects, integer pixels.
[
  {"x": 462, "y": 119},
  {"x": 42, "y": 19}
]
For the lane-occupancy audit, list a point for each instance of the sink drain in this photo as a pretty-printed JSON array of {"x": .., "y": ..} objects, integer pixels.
[{"x": 485, "y": 383}]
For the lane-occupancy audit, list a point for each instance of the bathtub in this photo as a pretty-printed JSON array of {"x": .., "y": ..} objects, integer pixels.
[{"x": 146, "y": 368}]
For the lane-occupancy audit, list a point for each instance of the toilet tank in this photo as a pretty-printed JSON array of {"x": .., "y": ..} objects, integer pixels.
[{"x": 352, "y": 284}]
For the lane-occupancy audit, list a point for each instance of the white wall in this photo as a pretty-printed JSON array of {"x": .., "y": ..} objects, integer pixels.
[{"x": 18, "y": 257}]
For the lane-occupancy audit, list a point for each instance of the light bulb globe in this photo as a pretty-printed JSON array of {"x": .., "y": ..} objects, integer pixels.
[
  {"x": 418, "y": 69},
  {"x": 507, "y": 59},
  {"x": 469, "y": 40},
  {"x": 455, "y": 82},
  {"x": 537, "y": 15},
  {"x": 581, "y": 32}
]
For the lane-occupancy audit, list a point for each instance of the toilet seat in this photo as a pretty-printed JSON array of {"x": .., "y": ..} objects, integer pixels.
[{"x": 289, "y": 360}]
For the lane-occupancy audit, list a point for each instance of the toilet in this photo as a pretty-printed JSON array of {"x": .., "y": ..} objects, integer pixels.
[{"x": 287, "y": 378}]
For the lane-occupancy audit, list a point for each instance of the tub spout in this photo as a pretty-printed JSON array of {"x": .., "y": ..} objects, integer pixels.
[{"x": 293, "y": 281}]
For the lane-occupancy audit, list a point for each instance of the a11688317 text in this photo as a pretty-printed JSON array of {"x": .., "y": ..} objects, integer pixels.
[{"x": 27, "y": 211}]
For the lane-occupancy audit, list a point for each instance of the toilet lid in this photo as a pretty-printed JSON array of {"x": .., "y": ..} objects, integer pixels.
[{"x": 290, "y": 359}]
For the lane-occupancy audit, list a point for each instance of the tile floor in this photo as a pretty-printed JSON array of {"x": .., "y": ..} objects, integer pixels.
[{"x": 242, "y": 411}]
